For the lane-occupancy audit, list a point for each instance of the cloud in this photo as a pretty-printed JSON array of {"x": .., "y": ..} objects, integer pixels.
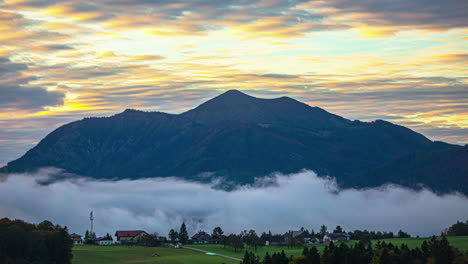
[
  {"x": 156, "y": 205},
  {"x": 50, "y": 48},
  {"x": 190, "y": 18},
  {"x": 381, "y": 17},
  {"x": 16, "y": 94}
]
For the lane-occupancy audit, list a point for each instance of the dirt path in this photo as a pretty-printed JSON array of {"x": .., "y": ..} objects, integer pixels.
[{"x": 204, "y": 251}]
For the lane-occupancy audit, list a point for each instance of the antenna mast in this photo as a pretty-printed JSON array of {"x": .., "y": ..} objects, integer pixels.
[{"x": 91, "y": 218}]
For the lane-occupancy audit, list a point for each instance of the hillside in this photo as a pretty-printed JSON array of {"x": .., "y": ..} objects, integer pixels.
[{"x": 240, "y": 137}]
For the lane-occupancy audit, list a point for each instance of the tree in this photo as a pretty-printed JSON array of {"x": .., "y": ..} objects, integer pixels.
[
  {"x": 183, "y": 234},
  {"x": 252, "y": 240},
  {"x": 250, "y": 258},
  {"x": 235, "y": 241},
  {"x": 338, "y": 229},
  {"x": 45, "y": 243},
  {"x": 46, "y": 226},
  {"x": 458, "y": 229},
  {"x": 108, "y": 237},
  {"x": 267, "y": 259},
  {"x": 279, "y": 258},
  {"x": 323, "y": 231},
  {"x": 217, "y": 234},
  {"x": 402, "y": 234},
  {"x": 173, "y": 235},
  {"x": 314, "y": 256},
  {"x": 90, "y": 238},
  {"x": 148, "y": 241}
]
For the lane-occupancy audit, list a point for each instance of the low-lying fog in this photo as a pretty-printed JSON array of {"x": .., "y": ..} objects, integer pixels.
[{"x": 294, "y": 201}]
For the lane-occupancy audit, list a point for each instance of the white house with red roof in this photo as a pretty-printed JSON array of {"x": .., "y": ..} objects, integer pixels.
[{"x": 129, "y": 237}]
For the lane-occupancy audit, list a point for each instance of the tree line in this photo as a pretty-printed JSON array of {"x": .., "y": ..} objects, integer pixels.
[
  {"x": 25, "y": 243},
  {"x": 434, "y": 251},
  {"x": 253, "y": 241},
  {"x": 457, "y": 229}
]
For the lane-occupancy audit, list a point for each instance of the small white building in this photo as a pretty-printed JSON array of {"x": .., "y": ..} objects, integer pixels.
[{"x": 104, "y": 241}]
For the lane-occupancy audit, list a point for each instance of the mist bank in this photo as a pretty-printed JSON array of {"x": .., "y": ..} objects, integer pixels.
[{"x": 279, "y": 203}]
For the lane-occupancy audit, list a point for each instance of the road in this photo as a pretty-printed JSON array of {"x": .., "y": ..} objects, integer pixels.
[{"x": 204, "y": 251}]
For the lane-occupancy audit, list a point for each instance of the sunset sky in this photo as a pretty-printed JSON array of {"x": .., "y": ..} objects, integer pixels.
[{"x": 405, "y": 61}]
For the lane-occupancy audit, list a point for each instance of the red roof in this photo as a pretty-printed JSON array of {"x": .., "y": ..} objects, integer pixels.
[{"x": 128, "y": 233}]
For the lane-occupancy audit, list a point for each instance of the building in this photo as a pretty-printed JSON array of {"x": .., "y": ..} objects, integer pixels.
[
  {"x": 104, "y": 241},
  {"x": 312, "y": 241},
  {"x": 76, "y": 239},
  {"x": 334, "y": 237},
  {"x": 129, "y": 237},
  {"x": 201, "y": 238}
]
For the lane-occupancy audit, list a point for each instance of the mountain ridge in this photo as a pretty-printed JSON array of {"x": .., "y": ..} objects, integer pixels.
[{"x": 237, "y": 137}]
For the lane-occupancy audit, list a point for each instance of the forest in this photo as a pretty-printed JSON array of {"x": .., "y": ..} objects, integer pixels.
[{"x": 25, "y": 243}]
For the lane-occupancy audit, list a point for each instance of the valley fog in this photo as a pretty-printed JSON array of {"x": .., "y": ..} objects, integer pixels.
[{"x": 287, "y": 202}]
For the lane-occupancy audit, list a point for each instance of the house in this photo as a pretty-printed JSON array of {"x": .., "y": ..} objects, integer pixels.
[
  {"x": 334, "y": 237},
  {"x": 76, "y": 239},
  {"x": 312, "y": 241},
  {"x": 129, "y": 237},
  {"x": 201, "y": 238},
  {"x": 104, "y": 241}
]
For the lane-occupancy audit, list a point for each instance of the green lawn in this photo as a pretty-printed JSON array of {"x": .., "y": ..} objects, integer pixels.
[
  {"x": 260, "y": 251},
  {"x": 143, "y": 255},
  {"x": 159, "y": 255},
  {"x": 458, "y": 242}
]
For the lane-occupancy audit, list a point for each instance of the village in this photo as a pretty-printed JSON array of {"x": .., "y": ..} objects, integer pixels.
[
  {"x": 181, "y": 238},
  {"x": 140, "y": 237}
]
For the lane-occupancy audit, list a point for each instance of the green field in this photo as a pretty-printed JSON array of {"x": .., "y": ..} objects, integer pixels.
[
  {"x": 142, "y": 255},
  {"x": 459, "y": 242},
  {"x": 160, "y": 255}
]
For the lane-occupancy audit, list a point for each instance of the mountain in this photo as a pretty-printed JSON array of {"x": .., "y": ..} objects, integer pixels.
[
  {"x": 443, "y": 170},
  {"x": 240, "y": 137}
]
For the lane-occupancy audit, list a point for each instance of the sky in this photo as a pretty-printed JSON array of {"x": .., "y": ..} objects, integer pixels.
[
  {"x": 157, "y": 205},
  {"x": 62, "y": 60}
]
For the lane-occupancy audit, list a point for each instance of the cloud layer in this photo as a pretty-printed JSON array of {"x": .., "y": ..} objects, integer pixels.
[{"x": 291, "y": 202}]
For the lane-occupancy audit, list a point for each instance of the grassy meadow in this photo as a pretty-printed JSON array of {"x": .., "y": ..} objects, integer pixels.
[
  {"x": 142, "y": 255},
  {"x": 460, "y": 242},
  {"x": 160, "y": 255}
]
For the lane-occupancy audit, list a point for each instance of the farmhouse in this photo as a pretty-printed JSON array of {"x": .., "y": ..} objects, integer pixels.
[
  {"x": 335, "y": 237},
  {"x": 104, "y": 241},
  {"x": 201, "y": 238},
  {"x": 129, "y": 237},
  {"x": 76, "y": 239}
]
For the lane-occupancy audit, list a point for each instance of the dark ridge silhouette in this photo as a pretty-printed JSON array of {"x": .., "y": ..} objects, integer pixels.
[{"x": 240, "y": 137}]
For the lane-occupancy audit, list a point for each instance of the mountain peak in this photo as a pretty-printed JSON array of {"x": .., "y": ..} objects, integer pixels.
[
  {"x": 236, "y": 106},
  {"x": 232, "y": 96},
  {"x": 234, "y": 92}
]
